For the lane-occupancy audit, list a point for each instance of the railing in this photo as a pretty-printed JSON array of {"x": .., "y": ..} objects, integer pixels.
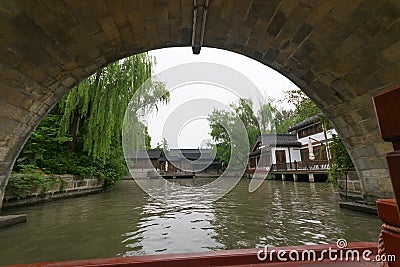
[
  {"x": 301, "y": 165},
  {"x": 175, "y": 173}
]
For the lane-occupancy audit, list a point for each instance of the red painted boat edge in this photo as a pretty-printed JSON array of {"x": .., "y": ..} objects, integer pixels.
[{"x": 211, "y": 258}]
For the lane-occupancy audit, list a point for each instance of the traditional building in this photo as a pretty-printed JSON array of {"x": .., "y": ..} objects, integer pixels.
[
  {"x": 306, "y": 148},
  {"x": 148, "y": 159},
  {"x": 175, "y": 163},
  {"x": 190, "y": 160},
  {"x": 314, "y": 138},
  {"x": 271, "y": 149}
]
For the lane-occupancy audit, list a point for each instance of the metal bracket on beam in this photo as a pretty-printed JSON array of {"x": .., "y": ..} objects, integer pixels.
[{"x": 199, "y": 24}]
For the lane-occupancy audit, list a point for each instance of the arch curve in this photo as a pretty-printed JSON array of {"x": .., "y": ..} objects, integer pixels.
[{"x": 339, "y": 53}]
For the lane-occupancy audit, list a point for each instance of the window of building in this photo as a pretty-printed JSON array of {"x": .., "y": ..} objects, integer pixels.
[
  {"x": 310, "y": 130},
  {"x": 320, "y": 152}
]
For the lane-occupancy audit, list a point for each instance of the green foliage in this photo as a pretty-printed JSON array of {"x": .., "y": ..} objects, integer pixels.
[
  {"x": 47, "y": 152},
  {"x": 270, "y": 176},
  {"x": 63, "y": 185},
  {"x": 340, "y": 157},
  {"x": 273, "y": 119},
  {"x": 82, "y": 134},
  {"x": 114, "y": 169},
  {"x": 243, "y": 112},
  {"x": 278, "y": 120},
  {"x": 341, "y": 161},
  {"x": 44, "y": 142},
  {"x": 23, "y": 184},
  {"x": 219, "y": 134},
  {"x": 69, "y": 162},
  {"x": 266, "y": 115},
  {"x": 304, "y": 106},
  {"x": 244, "y": 109},
  {"x": 93, "y": 112},
  {"x": 163, "y": 146},
  {"x": 283, "y": 120},
  {"x": 147, "y": 139}
]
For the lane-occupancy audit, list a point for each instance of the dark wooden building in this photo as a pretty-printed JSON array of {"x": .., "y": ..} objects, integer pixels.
[
  {"x": 190, "y": 160},
  {"x": 148, "y": 159},
  {"x": 178, "y": 160}
]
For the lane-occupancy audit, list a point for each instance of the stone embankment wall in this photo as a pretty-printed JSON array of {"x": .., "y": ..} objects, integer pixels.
[
  {"x": 354, "y": 187},
  {"x": 64, "y": 186}
]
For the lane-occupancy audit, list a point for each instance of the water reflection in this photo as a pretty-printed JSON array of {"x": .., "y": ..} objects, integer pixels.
[{"x": 126, "y": 221}]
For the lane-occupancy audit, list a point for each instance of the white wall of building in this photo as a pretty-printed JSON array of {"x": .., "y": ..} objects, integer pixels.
[
  {"x": 318, "y": 136},
  {"x": 294, "y": 154}
]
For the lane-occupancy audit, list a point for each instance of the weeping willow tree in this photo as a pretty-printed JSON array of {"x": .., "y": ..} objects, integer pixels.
[
  {"x": 82, "y": 134},
  {"x": 93, "y": 112}
]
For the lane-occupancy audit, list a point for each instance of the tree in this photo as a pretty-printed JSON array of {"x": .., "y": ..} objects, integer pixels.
[
  {"x": 283, "y": 120},
  {"x": 278, "y": 120},
  {"x": 82, "y": 134},
  {"x": 304, "y": 106},
  {"x": 226, "y": 125},
  {"x": 163, "y": 146},
  {"x": 219, "y": 134},
  {"x": 340, "y": 158},
  {"x": 93, "y": 112},
  {"x": 44, "y": 142},
  {"x": 266, "y": 116},
  {"x": 147, "y": 138},
  {"x": 341, "y": 161},
  {"x": 244, "y": 111},
  {"x": 273, "y": 119}
]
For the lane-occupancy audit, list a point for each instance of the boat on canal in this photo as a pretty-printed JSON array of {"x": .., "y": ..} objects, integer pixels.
[{"x": 241, "y": 257}]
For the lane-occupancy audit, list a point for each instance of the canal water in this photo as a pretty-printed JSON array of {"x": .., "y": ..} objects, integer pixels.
[{"x": 125, "y": 221}]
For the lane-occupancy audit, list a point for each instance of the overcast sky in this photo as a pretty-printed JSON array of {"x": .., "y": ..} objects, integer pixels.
[{"x": 192, "y": 132}]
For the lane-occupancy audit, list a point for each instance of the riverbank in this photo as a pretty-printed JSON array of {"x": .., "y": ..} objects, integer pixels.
[
  {"x": 54, "y": 187},
  {"x": 61, "y": 187},
  {"x": 40, "y": 198}
]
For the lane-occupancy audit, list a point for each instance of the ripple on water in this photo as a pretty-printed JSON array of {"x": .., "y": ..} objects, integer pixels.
[{"x": 127, "y": 222}]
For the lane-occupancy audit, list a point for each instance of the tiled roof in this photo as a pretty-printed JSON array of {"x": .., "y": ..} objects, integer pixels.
[
  {"x": 309, "y": 121},
  {"x": 151, "y": 154},
  {"x": 154, "y": 153},
  {"x": 177, "y": 154},
  {"x": 276, "y": 140},
  {"x": 192, "y": 154},
  {"x": 280, "y": 139}
]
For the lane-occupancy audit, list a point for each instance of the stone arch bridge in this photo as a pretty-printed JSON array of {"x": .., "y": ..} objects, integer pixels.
[{"x": 339, "y": 52}]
